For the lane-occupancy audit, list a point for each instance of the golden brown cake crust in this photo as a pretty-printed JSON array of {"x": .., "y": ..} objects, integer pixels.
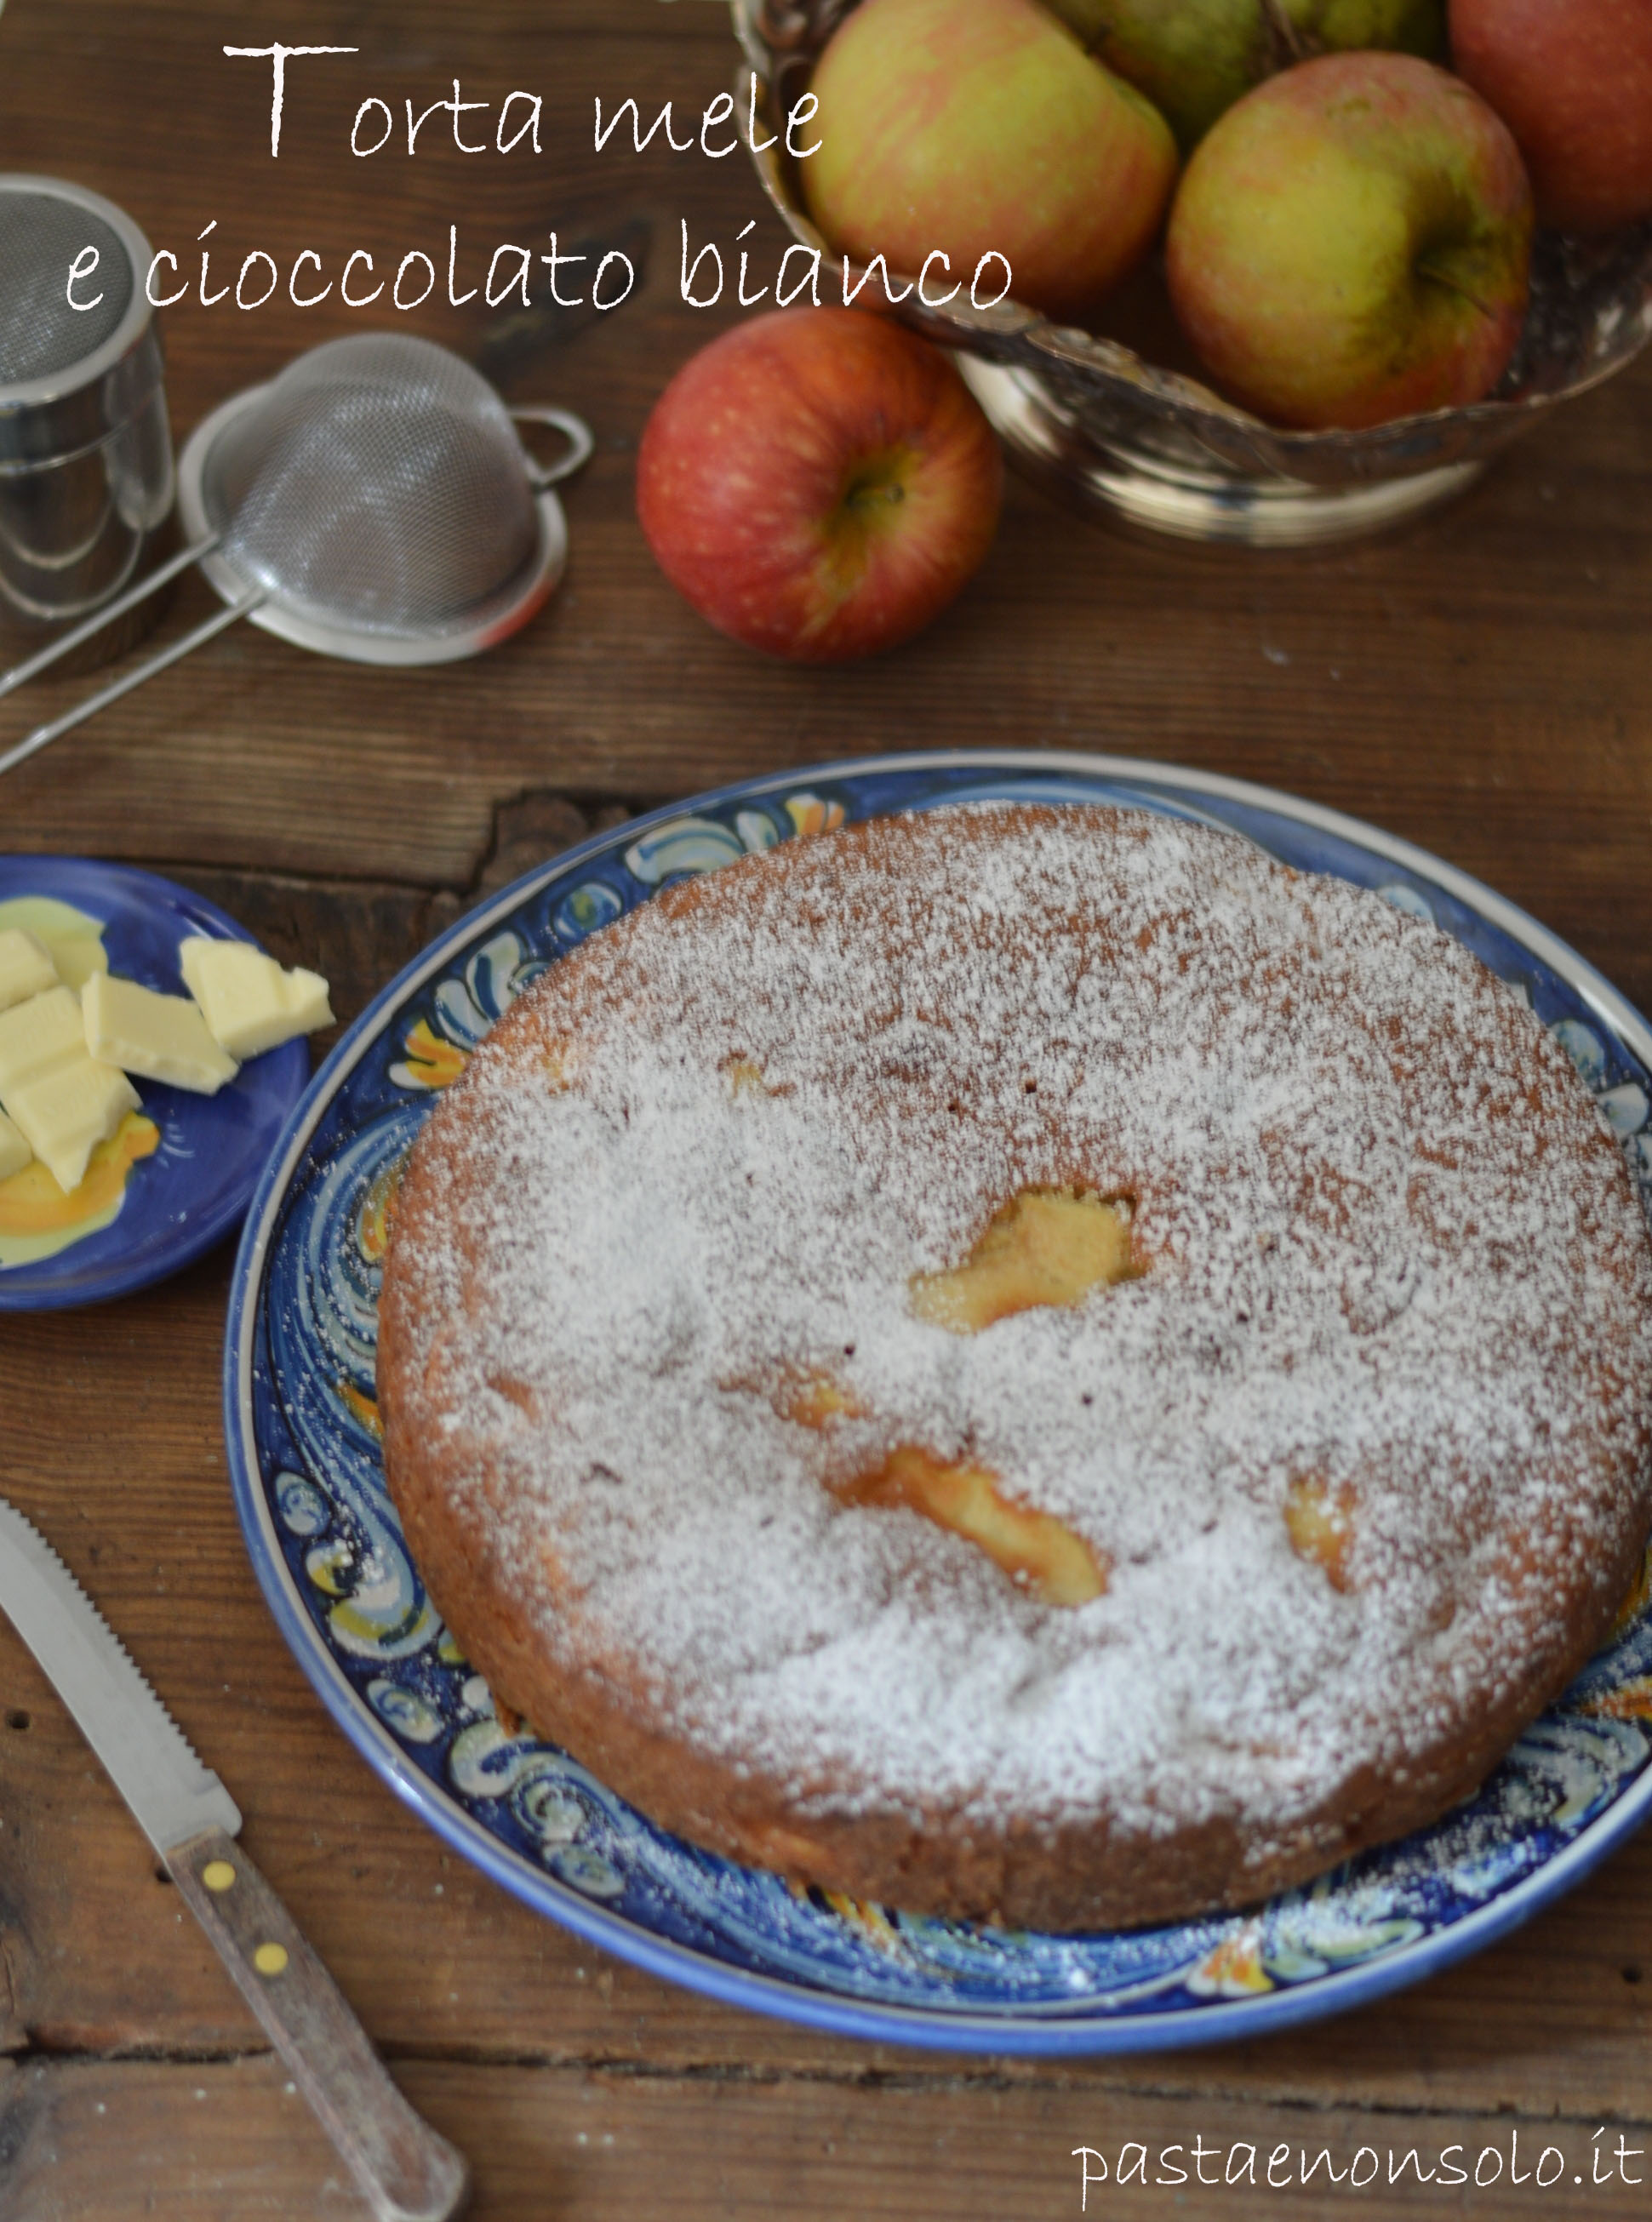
[{"x": 1392, "y": 1264}]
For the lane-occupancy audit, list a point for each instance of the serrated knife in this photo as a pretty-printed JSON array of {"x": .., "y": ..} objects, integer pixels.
[{"x": 407, "y": 2173}]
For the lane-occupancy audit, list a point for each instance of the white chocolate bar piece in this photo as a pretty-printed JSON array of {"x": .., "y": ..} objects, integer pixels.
[
  {"x": 52, "y": 1087},
  {"x": 248, "y": 1002},
  {"x": 67, "y": 1109},
  {"x": 43, "y": 1031},
  {"x": 77, "y": 957},
  {"x": 26, "y": 967},
  {"x": 159, "y": 1037},
  {"x": 15, "y": 1152}
]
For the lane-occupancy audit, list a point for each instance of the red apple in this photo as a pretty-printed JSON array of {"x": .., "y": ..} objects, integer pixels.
[
  {"x": 1352, "y": 242},
  {"x": 819, "y": 483},
  {"x": 1572, "y": 80},
  {"x": 978, "y": 127}
]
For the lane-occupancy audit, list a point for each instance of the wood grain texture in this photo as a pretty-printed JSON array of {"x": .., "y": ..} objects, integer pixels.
[
  {"x": 594, "y": 2145},
  {"x": 1482, "y": 684}
]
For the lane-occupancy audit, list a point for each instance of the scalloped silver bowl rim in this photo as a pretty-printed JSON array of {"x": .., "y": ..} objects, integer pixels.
[{"x": 1025, "y": 339}]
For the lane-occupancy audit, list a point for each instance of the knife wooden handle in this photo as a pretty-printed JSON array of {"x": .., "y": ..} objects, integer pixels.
[{"x": 407, "y": 2172}]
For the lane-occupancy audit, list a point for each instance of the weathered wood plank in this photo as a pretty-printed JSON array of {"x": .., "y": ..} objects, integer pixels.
[
  {"x": 227, "y": 2141},
  {"x": 1536, "y": 703}
]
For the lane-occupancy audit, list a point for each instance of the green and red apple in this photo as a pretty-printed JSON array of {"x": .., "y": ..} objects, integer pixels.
[
  {"x": 1572, "y": 80},
  {"x": 819, "y": 483},
  {"x": 980, "y": 129},
  {"x": 1352, "y": 242},
  {"x": 1194, "y": 59}
]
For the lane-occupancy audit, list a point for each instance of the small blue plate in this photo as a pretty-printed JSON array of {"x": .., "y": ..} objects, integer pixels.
[
  {"x": 194, "y": 1188},
  {"x": 328, "y": 1550}
]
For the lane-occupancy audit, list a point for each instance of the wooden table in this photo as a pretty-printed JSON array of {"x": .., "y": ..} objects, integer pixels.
[{"x": 1482, "y": 684}]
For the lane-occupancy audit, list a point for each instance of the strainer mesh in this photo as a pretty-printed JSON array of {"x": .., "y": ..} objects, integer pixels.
[
  {"x": 41, "y": 236},
  {"x": 379, "y": 485}
]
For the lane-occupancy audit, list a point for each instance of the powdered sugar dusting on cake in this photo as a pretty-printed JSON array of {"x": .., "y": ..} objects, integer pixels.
[{"x": 1389, "y": 1252}]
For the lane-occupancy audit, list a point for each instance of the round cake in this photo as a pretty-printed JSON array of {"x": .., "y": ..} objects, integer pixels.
[{"x": 1022, "y": 1362}]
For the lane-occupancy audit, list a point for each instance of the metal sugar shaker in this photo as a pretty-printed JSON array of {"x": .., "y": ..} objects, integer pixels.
[{"x": 87, "y": 475}]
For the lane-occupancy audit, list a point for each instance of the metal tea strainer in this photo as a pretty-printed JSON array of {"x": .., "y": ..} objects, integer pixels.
[{"x": 373, "y": 502}]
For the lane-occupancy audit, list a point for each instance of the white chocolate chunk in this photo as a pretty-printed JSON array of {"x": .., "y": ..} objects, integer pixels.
[
  {"x": 77, "y": 957},
  {"x": 46, "y": 1030},
  {"x": 15, "y": 1152},
  {"x": 26, "y": 967},
  {"x": 159, "y": 1037},
  {"x": 64, "y": 1102},
  {"x": 248, "y": 1002},
  {"x": 66, "y": 1110}
]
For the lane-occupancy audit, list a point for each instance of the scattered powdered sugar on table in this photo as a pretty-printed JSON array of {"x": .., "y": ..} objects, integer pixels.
[{"x": 1389, "y": 1250}]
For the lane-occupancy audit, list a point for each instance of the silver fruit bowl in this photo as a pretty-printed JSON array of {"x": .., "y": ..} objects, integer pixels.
[{"x": 1094, "y": 420}]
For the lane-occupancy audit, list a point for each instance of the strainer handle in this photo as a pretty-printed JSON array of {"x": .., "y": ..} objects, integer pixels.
[
  {"x": 38, "y": 739},
  {"x": 20, "y": 674},
  {"x": 581, "y": 445}
]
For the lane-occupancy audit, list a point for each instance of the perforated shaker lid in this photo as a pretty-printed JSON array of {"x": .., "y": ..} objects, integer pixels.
[
  {"x": 41, "y": 237},
  {"x": 69, "y": 376}
]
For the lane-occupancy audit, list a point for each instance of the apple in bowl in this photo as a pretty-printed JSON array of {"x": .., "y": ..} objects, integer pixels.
[
  {"x": 985, "y": 128},
  {"x": 1124, "y": 416},
  {"x": 819, "y": 483},
  {"x": 1352, "y": 242},
  {"x": 1572, "y": 80},
  {"x": 1194, "y": 59}
]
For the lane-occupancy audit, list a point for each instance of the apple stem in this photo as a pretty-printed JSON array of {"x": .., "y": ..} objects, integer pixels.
[
  {"x": 1426, "y": 269},
  {"x": 789, "y": 25},
  {"x": 1286, "y": 45},
  {"x": 891, "y": 491}
]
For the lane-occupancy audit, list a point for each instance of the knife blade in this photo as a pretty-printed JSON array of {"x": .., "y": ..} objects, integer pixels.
[
  {"x": 406, "y": 2170},
  {"x": 147, "y": 1754}
]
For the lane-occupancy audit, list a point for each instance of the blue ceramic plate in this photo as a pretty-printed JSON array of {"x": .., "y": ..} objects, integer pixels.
[
  {"x": 193, "y": 1186},
  {"x": 328, "y": 1549}
]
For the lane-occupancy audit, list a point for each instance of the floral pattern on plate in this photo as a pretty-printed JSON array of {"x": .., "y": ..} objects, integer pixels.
[{"x": 303, "y": 1426}]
